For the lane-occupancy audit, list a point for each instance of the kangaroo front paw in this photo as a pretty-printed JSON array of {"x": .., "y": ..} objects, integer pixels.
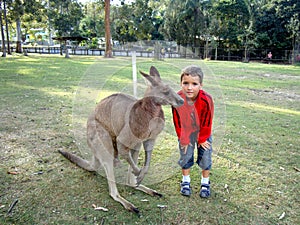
[
  {"x": 141, "y": 175},
  {"x": 136, "y": 172}
]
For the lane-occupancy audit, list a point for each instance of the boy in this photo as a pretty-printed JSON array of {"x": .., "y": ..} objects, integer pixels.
[{"x": 193, "y": 125}]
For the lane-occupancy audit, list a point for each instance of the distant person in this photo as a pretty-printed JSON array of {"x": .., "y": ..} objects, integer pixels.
[
  {"x": 193, "y": 124},
  {"x": 163, "y": 52},
  {"x": 269, "y": 56}
]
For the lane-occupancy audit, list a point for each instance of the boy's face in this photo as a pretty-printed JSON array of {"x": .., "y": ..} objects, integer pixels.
[{"x": 191, "y": 86}]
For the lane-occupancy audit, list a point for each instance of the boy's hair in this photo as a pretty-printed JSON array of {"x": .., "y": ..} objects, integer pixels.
[{"x": 194, "y": 71}]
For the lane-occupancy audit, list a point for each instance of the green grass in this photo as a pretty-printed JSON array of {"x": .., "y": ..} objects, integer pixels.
[{"x": 45, "y": 102}]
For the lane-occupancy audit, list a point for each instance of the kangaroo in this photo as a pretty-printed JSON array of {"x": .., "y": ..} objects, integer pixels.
[{"x": 119, "y": 126}]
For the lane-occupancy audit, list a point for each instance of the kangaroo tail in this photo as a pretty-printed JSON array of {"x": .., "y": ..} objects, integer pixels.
[{"x": 78, "y": 161}]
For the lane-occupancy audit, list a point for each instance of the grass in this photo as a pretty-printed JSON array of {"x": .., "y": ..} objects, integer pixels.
[{"x": 45, "y": 101}]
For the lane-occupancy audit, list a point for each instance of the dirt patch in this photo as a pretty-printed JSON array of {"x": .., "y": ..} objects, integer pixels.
[{"x": 277, "y": 95}]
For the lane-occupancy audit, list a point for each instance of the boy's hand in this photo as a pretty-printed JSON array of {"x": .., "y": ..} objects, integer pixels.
[
  {"x": 185, "y": 147},
  {"x": 205, "y": 145}
]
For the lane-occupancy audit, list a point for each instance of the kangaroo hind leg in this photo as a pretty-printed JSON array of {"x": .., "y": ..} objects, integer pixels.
[
  {"x": 113, "y": 191},
  {"x": 103, "y": 149}
]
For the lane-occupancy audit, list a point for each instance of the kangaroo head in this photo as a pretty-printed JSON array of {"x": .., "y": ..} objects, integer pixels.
[{"x": 161, "y": 93}]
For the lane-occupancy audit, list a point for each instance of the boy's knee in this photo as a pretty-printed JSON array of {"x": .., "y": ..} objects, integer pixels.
[
  {"x": 185, "y": 164},
  {"x": 205, "y": 162}
]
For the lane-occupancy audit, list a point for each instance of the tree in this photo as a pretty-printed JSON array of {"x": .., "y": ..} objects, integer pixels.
[
  {"x": 176, "y": 26},
  {"x": 294, "y": 29},
  {"x": 2, "y": 32},
  {"x": 6, "y": 27},
  {"x": 92, "y": 24},
  {"x": 64, "y": 16},
  {"x": 17, "y": 12},
  {"x": 108, "y": 46},
  {"x": 185, "y": 22},
  {"x": 271, "y": 22},
  {"x": 289, "y": 12},
  {"x": 248, "y": 37},
  {"x": 142, "y": 20},
  {"x": 123, "y": 24},
  {"x": 18, "y": 9},
  {"x": 235, "y": 17}
]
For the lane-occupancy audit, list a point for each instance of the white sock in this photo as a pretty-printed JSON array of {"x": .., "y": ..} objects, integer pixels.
[
  {"x": 205, "y": 180},
  {"x": 186, "y": 178}
]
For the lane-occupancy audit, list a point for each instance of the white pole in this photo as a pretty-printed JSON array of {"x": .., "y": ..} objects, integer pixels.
[{"x": 134, "y": 77}]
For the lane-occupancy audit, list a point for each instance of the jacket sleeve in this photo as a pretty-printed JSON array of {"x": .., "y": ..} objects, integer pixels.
[
  {"x": 180, "y": 126},
  {"x": 206, "y": 119},
  {"x": 176, "y": 121}
]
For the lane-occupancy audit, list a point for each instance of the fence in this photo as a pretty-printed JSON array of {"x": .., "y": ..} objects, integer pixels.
[
  {"x": 95, "y": 52},
  {"x": 280, "y": 56}
]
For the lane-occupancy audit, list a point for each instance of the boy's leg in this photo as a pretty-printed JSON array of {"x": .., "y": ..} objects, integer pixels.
[
  {"x": 186, "y": 160},
  {"x": 205, "y": 173},
  {"x": 185, "y": 185},
  {"x": 205, "y": 162},
  {"x": 186, "y": 175}
]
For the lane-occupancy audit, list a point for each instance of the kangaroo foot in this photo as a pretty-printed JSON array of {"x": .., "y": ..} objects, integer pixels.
[
  {"x": 148, "y": 191},
  {"x": 155, "y": 193},
  {"x": 135, "y": 210},
  {"x": 126, "y": 204}
]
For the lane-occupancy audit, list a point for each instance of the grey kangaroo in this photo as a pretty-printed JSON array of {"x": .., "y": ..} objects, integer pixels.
[{"x": 119, "y": 126}]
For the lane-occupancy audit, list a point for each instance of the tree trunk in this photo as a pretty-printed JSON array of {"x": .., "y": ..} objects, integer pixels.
[
  {"x": 293, "y": 51},
  {"x": 108, "y": 47},
  {"x": 19, "y": 36},
  {"x": 49, "y": 26},
  {"x": 6, "y": 28},
  {"x": 2, "y": 33}
]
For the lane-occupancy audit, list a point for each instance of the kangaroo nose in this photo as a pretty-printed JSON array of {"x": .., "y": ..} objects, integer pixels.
[{"x": 181, "y": 101}]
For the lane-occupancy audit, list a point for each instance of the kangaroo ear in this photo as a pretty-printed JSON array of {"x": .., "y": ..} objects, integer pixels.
[
  {"x": 154, "y": 73},
  {"x": 150, "y": 79}
]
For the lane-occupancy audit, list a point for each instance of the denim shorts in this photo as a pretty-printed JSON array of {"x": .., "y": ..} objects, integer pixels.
[{"x": 204, "y": 160}]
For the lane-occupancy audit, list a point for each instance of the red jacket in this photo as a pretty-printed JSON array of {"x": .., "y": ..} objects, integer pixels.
[{"x": 194, "y": 118}]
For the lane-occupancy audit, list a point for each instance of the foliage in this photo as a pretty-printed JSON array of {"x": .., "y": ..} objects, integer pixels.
[
  {"x": 139, "y": 21},
  {"x": 92, "y": 24},
  {"x": 65, "y": 16},
  {"x": 237, "y": 24}
]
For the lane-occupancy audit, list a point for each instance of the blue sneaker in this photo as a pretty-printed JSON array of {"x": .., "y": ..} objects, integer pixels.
[
  {"x": 185, "y": 189},
  {"x": 205, "y": 190}
]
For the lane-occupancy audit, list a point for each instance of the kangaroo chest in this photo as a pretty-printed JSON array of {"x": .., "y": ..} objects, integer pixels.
[{"x": 147, "y": 124}]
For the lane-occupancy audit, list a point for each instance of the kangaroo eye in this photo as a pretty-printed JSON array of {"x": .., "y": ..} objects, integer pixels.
[{"x": 166, "y": 90}]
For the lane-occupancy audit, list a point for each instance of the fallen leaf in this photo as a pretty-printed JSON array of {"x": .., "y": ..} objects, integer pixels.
[
  {"x": 12, "y": 172},
  {"x": 282, "y": 216},
  {"x": 38, "y": 173},
  {"x": 101, "y": 208},
  {"x": 295, "y": 168}
]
